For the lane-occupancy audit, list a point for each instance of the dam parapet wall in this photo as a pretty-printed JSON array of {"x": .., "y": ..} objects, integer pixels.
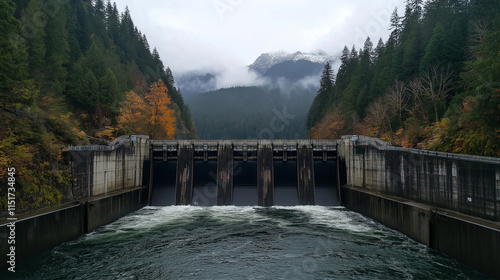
[
  {"x": 99, "y": 169},
  {"x": 463, "y": 183}
]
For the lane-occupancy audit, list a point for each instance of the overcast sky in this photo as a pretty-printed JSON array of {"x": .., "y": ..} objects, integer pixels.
[{"x": 220, "y": 34}]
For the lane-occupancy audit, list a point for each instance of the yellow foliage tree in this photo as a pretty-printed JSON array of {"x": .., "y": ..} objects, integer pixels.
[
  {"x": 132, "y": 114},
  {"x": 150, "y": 114},
  {"x": 161, "y": 115},
  {"x": 107, "y": 133}
]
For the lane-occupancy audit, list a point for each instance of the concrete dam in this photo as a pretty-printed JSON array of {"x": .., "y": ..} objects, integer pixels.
[
  {"x": 243, "y": 173},
  {"x": 447, "y": 202}
]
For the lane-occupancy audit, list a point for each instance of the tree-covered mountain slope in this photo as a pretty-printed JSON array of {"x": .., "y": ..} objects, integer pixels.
[
  {"x": 433, "y": 84},
  {"x": 66, "y": 68}
]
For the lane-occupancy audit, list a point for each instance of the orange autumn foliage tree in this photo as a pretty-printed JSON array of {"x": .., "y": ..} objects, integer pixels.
[
  {"x": 332, "y": 126},
  {"x": 132, "y": 117},
  {"x": 149, "y": 114}
]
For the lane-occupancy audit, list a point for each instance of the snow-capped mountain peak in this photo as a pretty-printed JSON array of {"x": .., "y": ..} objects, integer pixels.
[{"x": 267, "y": 60}]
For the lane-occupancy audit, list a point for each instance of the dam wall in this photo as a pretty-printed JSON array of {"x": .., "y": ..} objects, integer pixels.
[
  {"x": 99, "y": 169},
  {"x": 461, "y": 183},
  {"x": 448, "y": 202},
  {"x": 107, "y": 184},
  {"x": 44, "y": 229}
]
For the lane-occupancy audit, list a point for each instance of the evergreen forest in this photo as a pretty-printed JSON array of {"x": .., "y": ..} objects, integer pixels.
[
  {"x": 71, "y": 73},
  {"x": 434, "y": 84}
]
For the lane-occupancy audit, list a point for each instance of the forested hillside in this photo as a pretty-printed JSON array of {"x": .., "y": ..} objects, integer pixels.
[
  {"x": 251, "y": 113},
  {"x": 434, "y": 84},
  {"x": 68, "y": 72}
]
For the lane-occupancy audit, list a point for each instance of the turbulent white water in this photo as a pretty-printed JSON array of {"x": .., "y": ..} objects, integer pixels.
[{"x": 300, "y": 242}]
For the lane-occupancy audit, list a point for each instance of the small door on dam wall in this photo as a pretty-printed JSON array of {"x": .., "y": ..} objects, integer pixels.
[
  {"x": 245, "y": 183},
  {"x": 285, "y": 183},
  {"x": 163, "y": 193},
  {"x": 204, "y": 183},
  {"x": 325, "y": 177}
]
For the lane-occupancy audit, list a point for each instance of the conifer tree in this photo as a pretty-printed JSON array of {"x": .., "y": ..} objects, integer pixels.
[
  {"x": 343, "y": 72},
  {"x": 112, "y": 21},
  {"x": 57, "y": 54},
  {"x": 378, "y": 50},
  {"x": 327, "y": 79},
  {"x": 170, "y": 77},
  {"x": 13, "y": 61},
  {"x": 364, "y": 77},
  {"x": 436, "y": 50},
  {"x": 83, "y": 23},
  {"x": 320, "y": 103},
  {"x": 395, "y": 26},
  {"x": 128, "y": 36},
  {"x": 108, "y": 88},
  {"x": 34, "y": 33}
]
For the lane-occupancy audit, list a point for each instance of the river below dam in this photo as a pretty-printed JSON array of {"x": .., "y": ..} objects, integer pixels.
[{"x": 298, "y": 242}]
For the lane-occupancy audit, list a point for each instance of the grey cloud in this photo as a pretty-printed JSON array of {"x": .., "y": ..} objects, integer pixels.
[{"x": 223, "y": 36}]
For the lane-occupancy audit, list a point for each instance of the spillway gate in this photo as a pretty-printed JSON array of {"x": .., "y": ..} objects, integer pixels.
[{"x": 243, "y": 172}]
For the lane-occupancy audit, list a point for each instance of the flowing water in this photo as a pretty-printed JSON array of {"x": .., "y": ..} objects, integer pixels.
[{"x": 299, "y": 242}]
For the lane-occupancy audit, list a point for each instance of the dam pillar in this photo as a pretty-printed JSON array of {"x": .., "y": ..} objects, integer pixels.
[
  {"x": 305, "y": 174},
  {"x": 225, "y": 174},
  {"x": 151, "y": 173},
  {"x": 184, "y": 176},
  {"x": 265, "y": 176}
]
